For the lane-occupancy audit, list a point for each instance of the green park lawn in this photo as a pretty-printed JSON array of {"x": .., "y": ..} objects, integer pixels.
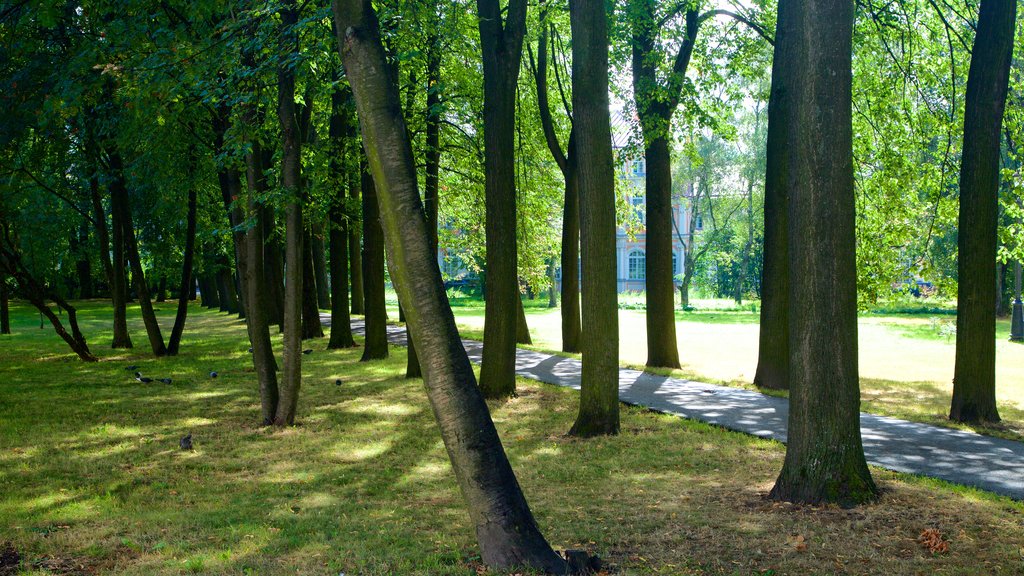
[
  {"x": 906, "y": 360},
  {"x": 93, "y": 481}
]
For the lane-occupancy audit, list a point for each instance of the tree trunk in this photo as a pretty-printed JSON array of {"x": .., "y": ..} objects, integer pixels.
[
  {"x": 186, "y": 275},
  {"x": 355, "y": 250},
  {"x": 211, "y": 294},
  {"x": 119, "y": 285},
  {"x": 83, "y": 267},
  {"x": 506, "y": 531},
  {"x": 273, "y": 263},
  {"x": 571, "y": 258},
  {"x": 974, "y": 374},
  {"x": 662, "y": 348},
  {"x": 522, "y": 328},
  {"x": 121, "y": 205},
  {"x": 311, "y": 326},
  {"x": 375, "y": 344},
  {"x": 552, "y": 294},
  {"x": 161, "y": 290},
  {"x": 773, "y": 339},
  {"x": 290, "y": 177},
  {"x": 824, "y": 455},
  {"x": 599, "y": 390},
  {"x": 342, "y": 133},
  {"x": 501, "y": 41},
  {"x": 748, "y": 246},
  {"x": 5, "y": 307},
  {"x": 323, "y": 287}
]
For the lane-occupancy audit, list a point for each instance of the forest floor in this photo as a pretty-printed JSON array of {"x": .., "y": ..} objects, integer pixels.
[
  {"x": 93, "y": 480},
  {"x": 906, "y": 360}
]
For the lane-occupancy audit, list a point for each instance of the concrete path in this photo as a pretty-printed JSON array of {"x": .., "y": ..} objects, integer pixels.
[{"x": 967, "y": 458}]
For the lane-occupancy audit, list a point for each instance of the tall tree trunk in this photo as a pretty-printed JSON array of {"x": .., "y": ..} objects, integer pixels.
[
  {"x": 552, "y": 294},
  {"x": 211, "y": 293},
  {"x": 161, "y": 290},
  {"x": 773, "y": 339},
  {"x": 824, "y": 455},
  {"x": 311, "y": 326},
  {"x": 342, "y": 134},
  {"x": 121, "y": 205},
  {"x": 119, "y": 285},
  {"x": 273, "y": 263},
  {"x": 507, "y": 533},
  {"x": 83, "y": 267},
  {"x": 355, "y": 250},
  {"x": 291, "y": 179},
  {"x": 662, "y": 348},
  {"x": 323, "y": 287},
  {"x": 186, "y": 275},
  {"x": 974, "y": 374},
  {"x": 599, "y": 391},
  {"x": 375, "y": 344},
  {"x": 748, "y": 246},
  {"x": 5, "y": 307},
  {"x": 501, "y": 40},
  {"x": 522, "y": 328}
]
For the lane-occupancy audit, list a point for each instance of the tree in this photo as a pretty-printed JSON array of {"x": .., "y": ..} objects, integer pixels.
[
  {"x": 599, "y": 394},
  {"x": 566, "y": 161},
  {"x": 291, "y": 181},
  {"x": 974, "y": 375},
  {"x": 501, "y": 41},
  {"x": 824, "y": 454},
  {"x": 342, "y": 134},
  {"x": 375, "y": 344},
  {"x": 506, "y": 531}
]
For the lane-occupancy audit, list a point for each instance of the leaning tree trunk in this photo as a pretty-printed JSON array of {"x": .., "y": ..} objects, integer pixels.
[
  {"x": 599, "y": 390},
  {"x": 290, "y": 178},
  {"x": 186, "y": 275},
  {"x": 974, "y": 374},
  {"x": 311, "y": 326},
  {"x": 506, "y": 531},
  {"x": 501, "y": 40},
  {"x": 824, "y": 454},
  {"x": 121, "y": 206},
  {"x": 375, "y": 344}
]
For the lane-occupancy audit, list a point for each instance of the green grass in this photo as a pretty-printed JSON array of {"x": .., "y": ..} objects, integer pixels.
[{"x": 93, "y": 481}]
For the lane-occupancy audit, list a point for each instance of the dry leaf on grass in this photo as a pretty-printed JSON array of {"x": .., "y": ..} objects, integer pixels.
[
  {"x": 798, "y": 543},
  {"x": 932, "y": 540}
]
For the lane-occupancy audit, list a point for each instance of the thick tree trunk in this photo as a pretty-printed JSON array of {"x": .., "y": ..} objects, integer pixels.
[
  {"x": 186, "y": 275},
  {"x": 375, "y": 344},
  {"x": 311, "y": 326},
  {"x": 522, "y": 328},
  {"x": 824, "y": 455},
  {"x": 273, "y": 264},
  {"x": 599, "y": 391},
  {"x": 974, "y": 374},
  {"x": 662, "y": 348},
  {"x": 507, "y": 533},
  {"x": 571, "y": 321},
  {"x": 161, "y": 290},
  {"x": 323, "y": 287},
  {"x": 119, "y": 286},
  {"x": 291, "y": 179},
  {"x": 229, "y": 302},
  {"x": 501, "y": 40},
  {"x": 121, "y": 205},
  {"x": 208, "y": 287},
  {"x": 773, "y": 339},
  {"x": 5, "y": 307}
]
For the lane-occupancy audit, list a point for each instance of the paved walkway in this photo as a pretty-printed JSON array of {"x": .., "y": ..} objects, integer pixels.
[{"x": 988, "y": 463}]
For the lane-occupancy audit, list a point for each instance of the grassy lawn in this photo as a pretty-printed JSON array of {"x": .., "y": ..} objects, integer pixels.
[
  {"x": 93, "y": 481},
  {"x": 906, "y": 360}
]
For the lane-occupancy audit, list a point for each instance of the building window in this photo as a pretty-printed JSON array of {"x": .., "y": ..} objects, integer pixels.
[
  {"x": 639, "y": 209},
  {"x": 675, "y": 266},
  {"x": 700, "y": 223},
  {"x": 637, "y": 265}
]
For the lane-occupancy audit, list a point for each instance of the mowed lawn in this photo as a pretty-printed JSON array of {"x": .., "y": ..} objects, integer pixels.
[
  {"x": 906, "y": 361},
  {"x": 93, "y": 482}
]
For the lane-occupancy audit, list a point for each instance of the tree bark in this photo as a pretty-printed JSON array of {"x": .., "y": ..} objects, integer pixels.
[
  {"x": 599, "y": 391},
  {"x": 323, "y": 287},
  {"x": 119, "y": 285},
  {"x": 662, "y": 347},
  {"x": 375, "y": 344},
  {"x": 355, "y": 250},
  {"x": 522, "y": 328},
  {"x": 291, "y": 179},
  {"x": 311, "y": 326},
  {"x": 5, "y": 307},
  {"x": 824, "y": 454},
  {"x": 186, "y": 275},
  {"x": 974, "y": 373},
  {"x": 273, "y": 262},
  {"x": 501, "y": 41},
  {"x": 342, "y": 133},
  {"x": 121, "y": 205},
  {"x": 773, "y": 340},
  {"x": 507, "y": 533}
]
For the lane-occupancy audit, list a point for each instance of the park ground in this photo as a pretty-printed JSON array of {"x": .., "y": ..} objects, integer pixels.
[
  {"x": 94, "y": 482},
  {"x": 906, "y": 353}
]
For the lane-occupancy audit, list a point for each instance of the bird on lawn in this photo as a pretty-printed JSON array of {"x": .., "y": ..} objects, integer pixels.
[
  {"x": 213, "y": 374},
  {"x": 186, "y": 442},
  {"x": 165, "y": 380},
  {"x": 140, "y": 378},
  {"x": 337, "y": 382},
  {"x": 250, "y": 349},
  {"x": 307, "y": 351}
]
